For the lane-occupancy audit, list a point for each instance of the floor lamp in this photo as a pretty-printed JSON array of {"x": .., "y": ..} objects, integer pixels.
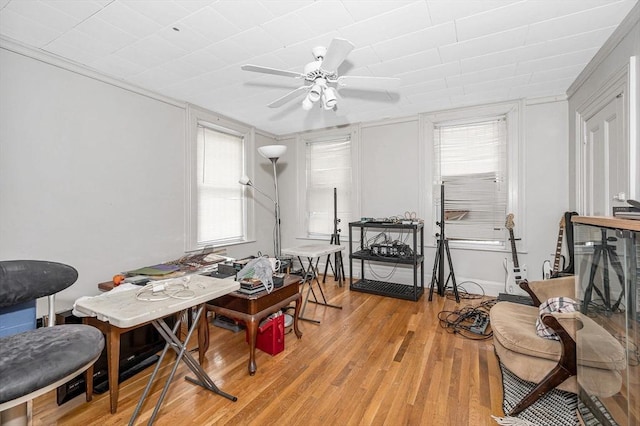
[{"x": 273, "y": 153}]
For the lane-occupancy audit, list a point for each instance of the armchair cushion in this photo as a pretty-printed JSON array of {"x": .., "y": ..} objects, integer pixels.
[
  {"x": 523, "y": 338},
  {"x": 531, "y": 357},
  {"x": 42, "y": 357}
]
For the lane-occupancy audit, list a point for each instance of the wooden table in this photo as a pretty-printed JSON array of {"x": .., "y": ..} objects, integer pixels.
[
  {"x": 253, "y": 308},
  {"x": 128, "y": 309},
  {"x": 112, "y": 341}
]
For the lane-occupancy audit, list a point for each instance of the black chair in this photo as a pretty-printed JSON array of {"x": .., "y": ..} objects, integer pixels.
[{"x": 37, "y": 361}]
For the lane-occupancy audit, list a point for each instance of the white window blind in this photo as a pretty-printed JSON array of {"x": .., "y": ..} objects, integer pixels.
[
  {"x": 328, "y": 166},
  {"x": 471, "y": 161},
  {"x": 220, "y": 159}
]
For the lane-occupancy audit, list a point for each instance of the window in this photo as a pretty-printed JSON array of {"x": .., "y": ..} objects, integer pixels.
[
  {"x": 220, "y": 164},
  {"x": 216, "y": 158},
  {"x": 328, "y": 166},
  {"x": 474, "y": 155}
]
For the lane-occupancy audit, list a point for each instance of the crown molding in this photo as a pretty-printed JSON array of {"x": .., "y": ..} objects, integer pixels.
[
  {"x": 56, "y": 61},
  {"x": 627, "y": 24},
  {"x": 74, "y": 67},
  {"x": 545, "y": 99}
]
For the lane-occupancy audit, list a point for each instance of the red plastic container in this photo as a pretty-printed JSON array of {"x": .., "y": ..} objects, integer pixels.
[{"x": 270, "y": 338}]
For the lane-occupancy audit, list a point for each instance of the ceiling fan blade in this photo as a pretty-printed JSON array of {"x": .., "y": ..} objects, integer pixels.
[
  {"x": 368, "y": 83},
  {"x": 336, "y": 53},
  {"x": 289, "y": 96},
  {"x": 274, "y": 71}
]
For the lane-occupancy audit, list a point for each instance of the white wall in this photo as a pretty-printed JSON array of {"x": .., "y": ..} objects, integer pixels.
[
  {"x": 391, "y": 177},
  {"x": 390, "y": 172},
  {"x": 91, "y": 174}
]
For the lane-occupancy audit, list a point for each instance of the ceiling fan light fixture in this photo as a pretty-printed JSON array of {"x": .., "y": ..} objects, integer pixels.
[
  {"x": 306, "y": 103},
  {"x": 315, "y": 93},
  {"x": 329, "y": 99}
]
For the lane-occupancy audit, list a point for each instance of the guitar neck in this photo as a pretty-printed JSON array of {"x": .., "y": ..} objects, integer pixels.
[
  {"x": 556, "y": 259},
  {"x": 514, "y": 253}
]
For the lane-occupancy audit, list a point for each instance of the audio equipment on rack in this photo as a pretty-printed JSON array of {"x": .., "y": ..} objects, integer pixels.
[{"x": 391, "y": 249}]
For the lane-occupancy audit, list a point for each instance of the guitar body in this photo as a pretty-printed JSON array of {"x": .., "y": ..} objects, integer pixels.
[
  {"x": 547, "y": 270},
  {"x": 556, "y": 271},
  {"x": 569, "y": 269},
  {"x": 516, "y": 273}
]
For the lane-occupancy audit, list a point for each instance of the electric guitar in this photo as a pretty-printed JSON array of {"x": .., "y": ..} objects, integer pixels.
[
  {"x": 515, "y": 272},
  {"x": 568, "y": 229},
  {"x": 553, "y": 271}
]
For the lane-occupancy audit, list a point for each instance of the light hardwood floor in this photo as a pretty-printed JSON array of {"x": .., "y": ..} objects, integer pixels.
[{"x": 379, "y": 360}]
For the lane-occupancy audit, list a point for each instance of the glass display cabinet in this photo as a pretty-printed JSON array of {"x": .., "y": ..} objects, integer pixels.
[{"x": 607, "y": 259}]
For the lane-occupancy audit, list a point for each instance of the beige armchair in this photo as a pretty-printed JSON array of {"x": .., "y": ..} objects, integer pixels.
[{"x": 552, "y": 363}]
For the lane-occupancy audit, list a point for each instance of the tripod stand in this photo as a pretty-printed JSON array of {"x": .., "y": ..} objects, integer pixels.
[
  {"x": 608, "y": 254},
  {"x": 338, "y": 270},
  {"x": 437, "y": 277}
]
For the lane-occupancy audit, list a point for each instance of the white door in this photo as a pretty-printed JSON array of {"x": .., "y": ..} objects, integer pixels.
[{"x": 606, "y": 160}]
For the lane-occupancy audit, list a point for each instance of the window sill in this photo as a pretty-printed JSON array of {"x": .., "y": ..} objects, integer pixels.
[{"x": 477, "y": 248}]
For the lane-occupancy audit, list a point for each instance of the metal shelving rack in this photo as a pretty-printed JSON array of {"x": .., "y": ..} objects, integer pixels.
[{"x": 383, "y": 288}]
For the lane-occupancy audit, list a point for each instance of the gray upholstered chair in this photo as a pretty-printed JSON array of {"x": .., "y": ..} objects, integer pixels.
[
  {"x": 37, "y": 361},
  {"x": 552, "y": 363}
]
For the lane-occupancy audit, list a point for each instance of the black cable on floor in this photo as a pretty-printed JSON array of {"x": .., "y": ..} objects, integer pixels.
[{"x": 469, "y": 322}]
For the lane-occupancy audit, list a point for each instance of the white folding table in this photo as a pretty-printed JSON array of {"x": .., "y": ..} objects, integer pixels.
[
  {"x": 313, "y": 253},
  {"x": 124, "y": 309}
]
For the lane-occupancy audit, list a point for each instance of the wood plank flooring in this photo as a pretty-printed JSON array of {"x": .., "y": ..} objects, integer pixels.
[{"x": 378, "y": 360}]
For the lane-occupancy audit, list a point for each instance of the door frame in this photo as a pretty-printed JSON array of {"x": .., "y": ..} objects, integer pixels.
[{"x": 618, "y": 85}]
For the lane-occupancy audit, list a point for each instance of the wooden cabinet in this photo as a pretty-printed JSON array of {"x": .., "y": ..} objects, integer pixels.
[{"x": 607, "y": 259}]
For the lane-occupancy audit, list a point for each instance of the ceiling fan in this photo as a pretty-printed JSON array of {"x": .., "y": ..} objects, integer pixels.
[{"x": 321, "y": 80}]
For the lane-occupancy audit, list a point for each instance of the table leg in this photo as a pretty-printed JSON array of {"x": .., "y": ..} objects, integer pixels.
[
  {"x": 311, "y": 275},
  {"x": 315, "y": 272},
  {"x": 183, "y": 354},
  {"x": 203, "y": 336},
  {"x": 324, "y": 299},
  {"x": 88, "y": 380},
  {"x": 113, "y": 365},
  {"x": 176, "y": 328},
  {"x": 252, "y": 331},
  {"x": 296, "y": 314},
  {"x": 307, "y": 278}
]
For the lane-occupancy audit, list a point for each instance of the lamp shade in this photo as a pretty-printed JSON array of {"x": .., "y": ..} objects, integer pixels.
[
  {"x": 244, "y": 180},
  {"x": 272, "y": 151}
]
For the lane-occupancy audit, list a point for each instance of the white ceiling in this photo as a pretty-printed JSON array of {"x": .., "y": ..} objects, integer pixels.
[{"x": 447, "y": 53}]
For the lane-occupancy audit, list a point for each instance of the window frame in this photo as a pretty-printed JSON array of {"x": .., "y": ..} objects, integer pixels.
[
  {"x": 197, "y": 116},
  {"x": 513, "y": 111}
]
